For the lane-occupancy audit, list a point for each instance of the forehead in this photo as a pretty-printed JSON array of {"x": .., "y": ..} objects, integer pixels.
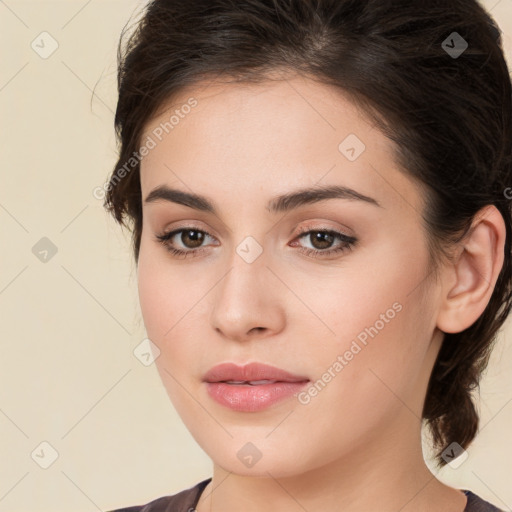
[
  {"x": 301, "y": 105},
  {"x": 292, "y": 132}
]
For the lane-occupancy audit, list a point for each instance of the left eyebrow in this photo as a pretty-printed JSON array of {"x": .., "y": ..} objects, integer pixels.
[{"x": 282, "y": 203}]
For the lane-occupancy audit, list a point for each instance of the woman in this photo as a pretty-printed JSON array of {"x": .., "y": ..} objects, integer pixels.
[{"x": 318, "y": 193}]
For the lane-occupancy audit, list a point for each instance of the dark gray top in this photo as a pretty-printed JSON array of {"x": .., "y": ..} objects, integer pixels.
[{"x": 186, "y": 501}]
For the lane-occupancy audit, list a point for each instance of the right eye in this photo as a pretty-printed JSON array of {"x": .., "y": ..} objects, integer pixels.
[{"x": 189, "y": 236}]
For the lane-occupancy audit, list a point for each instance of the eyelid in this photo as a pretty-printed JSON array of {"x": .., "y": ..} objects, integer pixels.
[
  {"x": 186, "y": 225},
  {"x": 314, "y": 226}
]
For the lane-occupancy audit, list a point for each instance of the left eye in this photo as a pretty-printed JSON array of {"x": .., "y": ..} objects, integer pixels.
[
  {"x": 192, "y": 240},
  {"x": 325, "y": 238}
]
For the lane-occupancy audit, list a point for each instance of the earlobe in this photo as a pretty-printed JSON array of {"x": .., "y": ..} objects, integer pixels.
[{"x": 475, "y": 272}]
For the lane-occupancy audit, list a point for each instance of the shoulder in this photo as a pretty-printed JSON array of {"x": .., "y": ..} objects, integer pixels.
[
  {"x": 477, "y": 504},
  {"x": 183, "y": 501}
]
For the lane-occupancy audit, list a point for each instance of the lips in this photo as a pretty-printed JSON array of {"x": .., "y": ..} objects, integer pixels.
[
  {"x": 253, "y": 373},
  {"x": 253, "y": 387}
]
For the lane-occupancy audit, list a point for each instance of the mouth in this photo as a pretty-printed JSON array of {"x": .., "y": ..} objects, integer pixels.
[{"x": 253, "y": 387}]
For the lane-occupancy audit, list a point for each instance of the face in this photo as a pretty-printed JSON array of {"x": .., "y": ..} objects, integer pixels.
[{"x": 334, "y": 291}]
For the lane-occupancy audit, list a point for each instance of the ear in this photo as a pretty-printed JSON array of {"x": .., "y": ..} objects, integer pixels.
[{"x": 469, "y": 281}]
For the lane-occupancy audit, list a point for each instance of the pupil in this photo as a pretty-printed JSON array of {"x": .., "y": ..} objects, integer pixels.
[
  {"x": 323, "y": 238},
  {"x": 196, "y": 240}
]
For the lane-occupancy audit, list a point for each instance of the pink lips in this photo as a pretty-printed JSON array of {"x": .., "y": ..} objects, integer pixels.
[{"x": 252, "y": 387}]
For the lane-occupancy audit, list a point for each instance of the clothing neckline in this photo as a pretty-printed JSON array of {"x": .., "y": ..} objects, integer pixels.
[{"x": 201, "y": 486}]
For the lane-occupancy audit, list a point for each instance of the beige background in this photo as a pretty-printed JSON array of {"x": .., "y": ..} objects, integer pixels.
[{"x": 70, "y": 325}]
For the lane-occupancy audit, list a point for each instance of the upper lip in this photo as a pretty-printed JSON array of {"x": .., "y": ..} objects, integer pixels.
[{"x": 250, "y": 372}]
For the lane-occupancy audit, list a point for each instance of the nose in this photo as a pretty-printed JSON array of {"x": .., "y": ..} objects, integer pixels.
[{"x": 248, "y": 302}]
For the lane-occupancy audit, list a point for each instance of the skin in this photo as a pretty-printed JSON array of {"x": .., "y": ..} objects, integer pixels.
[{"x": 356, "y": 445}]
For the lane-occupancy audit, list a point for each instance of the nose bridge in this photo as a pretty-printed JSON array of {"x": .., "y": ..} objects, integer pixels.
[
  {"x": 240, "y": 287},
  {"x": 244, "y": 299}
]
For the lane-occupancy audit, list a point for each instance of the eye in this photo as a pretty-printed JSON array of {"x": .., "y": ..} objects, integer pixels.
[
  {"x": 324, "y": 238},
  {"x": 192, "y": 239}
]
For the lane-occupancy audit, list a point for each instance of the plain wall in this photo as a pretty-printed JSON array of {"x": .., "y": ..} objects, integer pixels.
[{"x": 70, "y": 324}]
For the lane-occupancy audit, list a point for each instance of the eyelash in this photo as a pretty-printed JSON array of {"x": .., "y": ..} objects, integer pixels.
[{"x": 348, "y": 242}]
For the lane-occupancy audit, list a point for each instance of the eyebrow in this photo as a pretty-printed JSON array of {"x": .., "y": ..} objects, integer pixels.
[{"x": 282, "y": 203}]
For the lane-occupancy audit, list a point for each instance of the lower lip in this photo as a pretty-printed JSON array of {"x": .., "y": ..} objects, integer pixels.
[{"x": 247, "y": 398}]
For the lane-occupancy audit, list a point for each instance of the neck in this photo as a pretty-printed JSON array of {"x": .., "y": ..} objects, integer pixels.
[{"x": 383, "y": 476}]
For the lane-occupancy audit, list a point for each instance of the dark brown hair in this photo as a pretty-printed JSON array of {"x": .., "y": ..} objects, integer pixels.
[{"x": 448, "y": 112}]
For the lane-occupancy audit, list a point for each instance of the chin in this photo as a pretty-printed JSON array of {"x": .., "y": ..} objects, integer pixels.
[{"x": 257, "y": 458}]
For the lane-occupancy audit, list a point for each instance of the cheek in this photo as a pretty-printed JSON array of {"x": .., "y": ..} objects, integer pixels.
[
  {"x": 378, "y": 338},
  {"x": 163, "y": 308},
  {"x": 171, "y": 307},
  {"x": 159, "y": 289},
  {"x": 154, "y": 302},
  {"x": 359, "y": 388},
  {"x": 165, "y": 294}
]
